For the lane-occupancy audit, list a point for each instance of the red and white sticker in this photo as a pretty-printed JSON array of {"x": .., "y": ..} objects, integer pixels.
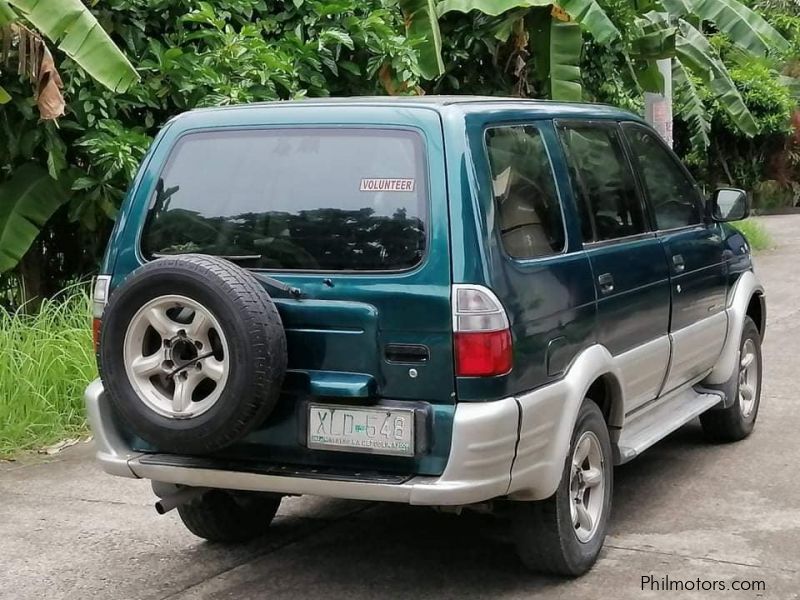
[{"x": 385, "y": 184}]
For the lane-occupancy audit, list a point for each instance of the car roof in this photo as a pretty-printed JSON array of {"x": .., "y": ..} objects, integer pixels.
[{"x": 466, "y": 104}]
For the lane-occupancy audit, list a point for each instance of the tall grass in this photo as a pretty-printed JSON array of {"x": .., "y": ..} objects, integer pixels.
[{"x": 46, "y": 360}]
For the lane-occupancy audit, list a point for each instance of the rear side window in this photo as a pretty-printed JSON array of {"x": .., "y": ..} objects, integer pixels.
[
  {"x": 608, "y": 203},
  {"x": 672, "y": 194},
  {"x": 528, "y": 209},
  {"x": 307, "y": 199}
]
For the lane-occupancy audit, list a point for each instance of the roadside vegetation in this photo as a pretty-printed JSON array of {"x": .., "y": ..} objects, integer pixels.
[
  {"x": 755, "y": 233},
  {"x": 46, "y": 361}
]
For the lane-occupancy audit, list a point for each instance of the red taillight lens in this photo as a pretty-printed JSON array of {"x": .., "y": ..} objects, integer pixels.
[
  {"x": 96, "y": 323},
  {"x": 483, "y": 353}
]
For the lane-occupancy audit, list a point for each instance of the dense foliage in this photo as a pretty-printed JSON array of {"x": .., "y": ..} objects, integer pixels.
[{"x": 191, "y": 53}]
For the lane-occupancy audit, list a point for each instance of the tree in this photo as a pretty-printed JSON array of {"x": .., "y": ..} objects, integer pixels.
[
  {"x": 32, "y": 194},
  {"x": 657, "y": 29}
]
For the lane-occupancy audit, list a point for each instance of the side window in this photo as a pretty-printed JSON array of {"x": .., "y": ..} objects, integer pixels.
[
  {"x": 528, "y": 209},
  {"x": 605, "y": 191},
  {"x": 673, "y": 196}
]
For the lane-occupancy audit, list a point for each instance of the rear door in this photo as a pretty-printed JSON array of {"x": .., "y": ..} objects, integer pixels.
[
  {"x": 628, "y": 266},
  {"x": 693, "y": 249},
  {"x": 353, "y": 215},
  {"x": 346, "y": 216}
]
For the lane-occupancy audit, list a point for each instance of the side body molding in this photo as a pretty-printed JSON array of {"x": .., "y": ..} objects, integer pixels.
[
  {"x": 738, "y": 300},
  {"x": 547, "y": 418}
]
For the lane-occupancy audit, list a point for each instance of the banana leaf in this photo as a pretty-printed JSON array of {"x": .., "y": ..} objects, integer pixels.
[
  {"x": 557, "y": 49},
  {"x": 697, "y": 55},
  {"x": 27, "y": 200},
  {"x": 422, "y": 22},
  {"x": 690, "y": 107},
  {"x": 746, "y": 28},
  {"x": 7, "y": 14},
  {"x": 586, "y": 12},
  {"x": 592, "y": 17},
  {"x": 656, "y": 42},
  {"x": 648, "y": 76},
  {"x": 71, "y": 25}
]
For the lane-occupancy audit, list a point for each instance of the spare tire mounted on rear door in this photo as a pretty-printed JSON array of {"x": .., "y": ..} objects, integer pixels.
[{"x": 192, "y": 353}]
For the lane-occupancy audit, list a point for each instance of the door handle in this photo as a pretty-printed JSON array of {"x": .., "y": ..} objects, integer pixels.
[
  {"x": 678, "y": 263},
  {"x": 407, "y": 353},
  {"x": 606, "y": 283}
]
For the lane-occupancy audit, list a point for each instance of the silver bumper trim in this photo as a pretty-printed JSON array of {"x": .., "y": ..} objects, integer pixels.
[{"x": 479, "y": 467}]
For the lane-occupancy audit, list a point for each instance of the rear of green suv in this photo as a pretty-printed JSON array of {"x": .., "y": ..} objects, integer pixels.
[{"x": 397, "y": 300}]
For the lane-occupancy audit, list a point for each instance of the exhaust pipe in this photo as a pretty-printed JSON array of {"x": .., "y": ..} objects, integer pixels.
[{"x": 172, "y": 501}]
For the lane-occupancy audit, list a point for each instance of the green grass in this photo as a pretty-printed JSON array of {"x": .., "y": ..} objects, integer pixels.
[
  {"x": 755, "y": 233},
  {"x": 46, "y": 360}
]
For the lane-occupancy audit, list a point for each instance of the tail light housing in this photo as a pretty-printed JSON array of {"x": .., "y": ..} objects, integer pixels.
[
  {"x": 101, "y": 288},
  {"x": 482, "y": 336}
]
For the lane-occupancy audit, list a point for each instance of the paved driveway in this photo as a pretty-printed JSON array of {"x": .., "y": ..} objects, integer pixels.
[{"x": 684, "y": 510}]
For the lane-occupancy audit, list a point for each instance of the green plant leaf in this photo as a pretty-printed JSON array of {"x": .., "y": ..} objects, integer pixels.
[
  {"x": 5, "y": 97},
  {"x": 700, "y": 58},
  {"x": 656, "y": 42},
  {"x": 557, "y": 49},
  {"x": 678, "y": 8},
  {"x": 566, "y": 44},
  {"x": 690, "y": 106},
  {"x": 746, "y": 28},
  {"x": 71, "y": 25},
  {"x": 586, "y": 12},
  {"x": 422, "y": 22},
  {"x": 7, "y": 14},
  {"x": 648, "y": 76},
  {"x": 592, "y": 17},
  {"x": 27, "y": 200}
]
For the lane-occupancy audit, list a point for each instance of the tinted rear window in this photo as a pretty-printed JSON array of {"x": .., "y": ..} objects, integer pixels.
[{"x": 309, "y": 199}]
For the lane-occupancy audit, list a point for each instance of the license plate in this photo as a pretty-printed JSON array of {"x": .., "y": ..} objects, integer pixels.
[{"x": 354, "y": 429}]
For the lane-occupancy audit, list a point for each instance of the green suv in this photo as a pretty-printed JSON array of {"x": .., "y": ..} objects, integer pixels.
[{"x": 453, "y": 302}]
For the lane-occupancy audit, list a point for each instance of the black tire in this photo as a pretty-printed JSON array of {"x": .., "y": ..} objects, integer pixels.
[
  {"x": 730, "y": 424},
  {"x": 543, "y": 531},
  {"x": 229, "y": 516},
  {"x": 256, "y": 344}
]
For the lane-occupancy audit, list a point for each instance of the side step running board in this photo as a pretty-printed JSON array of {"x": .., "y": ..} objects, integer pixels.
[{"x": 675, "y": 410}]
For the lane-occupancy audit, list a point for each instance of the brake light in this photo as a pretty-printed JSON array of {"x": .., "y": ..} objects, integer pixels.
[
  {"x": 483, "y": 346},
  {"x": 102, "y": 284}
]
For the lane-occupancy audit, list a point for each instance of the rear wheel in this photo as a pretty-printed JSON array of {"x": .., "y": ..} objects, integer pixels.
[
  {"x": 738, "y": 420},
  {"x": 563, "y": 534},
  {"x": 229, "y": 516}
]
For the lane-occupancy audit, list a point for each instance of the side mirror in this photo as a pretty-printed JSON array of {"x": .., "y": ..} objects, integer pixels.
[{"x": 728, "y": 204}]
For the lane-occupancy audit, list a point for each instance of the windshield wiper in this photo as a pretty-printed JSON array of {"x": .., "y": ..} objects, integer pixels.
[{"x": 293, "y": 291}]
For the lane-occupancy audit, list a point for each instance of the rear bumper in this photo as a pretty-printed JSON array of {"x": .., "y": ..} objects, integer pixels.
[{"x": 479, "y": 468}]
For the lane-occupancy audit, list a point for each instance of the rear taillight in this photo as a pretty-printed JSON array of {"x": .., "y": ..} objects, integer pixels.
[
  {"x": 482, "y": 335},
  {"x": 102, "y": 284}
]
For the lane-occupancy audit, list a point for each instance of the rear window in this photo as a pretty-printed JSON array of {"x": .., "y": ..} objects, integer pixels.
[{"x": 307, "y": 199}]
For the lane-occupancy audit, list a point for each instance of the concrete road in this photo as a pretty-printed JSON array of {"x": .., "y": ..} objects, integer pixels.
[{"x": 685, "y": 510}]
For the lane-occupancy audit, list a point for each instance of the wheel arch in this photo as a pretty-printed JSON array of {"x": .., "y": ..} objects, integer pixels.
[
  {"x": 746, "y": 299},
  {"x": 547, "y": 419}
]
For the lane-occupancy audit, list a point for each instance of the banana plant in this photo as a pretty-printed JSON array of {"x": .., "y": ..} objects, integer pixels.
[
  {"x": 70, "y": 25},
  {"x": 27, "y": 200},
  {"x": 664, "y": 29}
]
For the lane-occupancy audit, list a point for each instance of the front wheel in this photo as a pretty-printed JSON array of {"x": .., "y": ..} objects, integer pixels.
[
  {"x": 563, "y": 535},
  {"x": 229, "y": 516},
  {"x": 737, "y": 421}
]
